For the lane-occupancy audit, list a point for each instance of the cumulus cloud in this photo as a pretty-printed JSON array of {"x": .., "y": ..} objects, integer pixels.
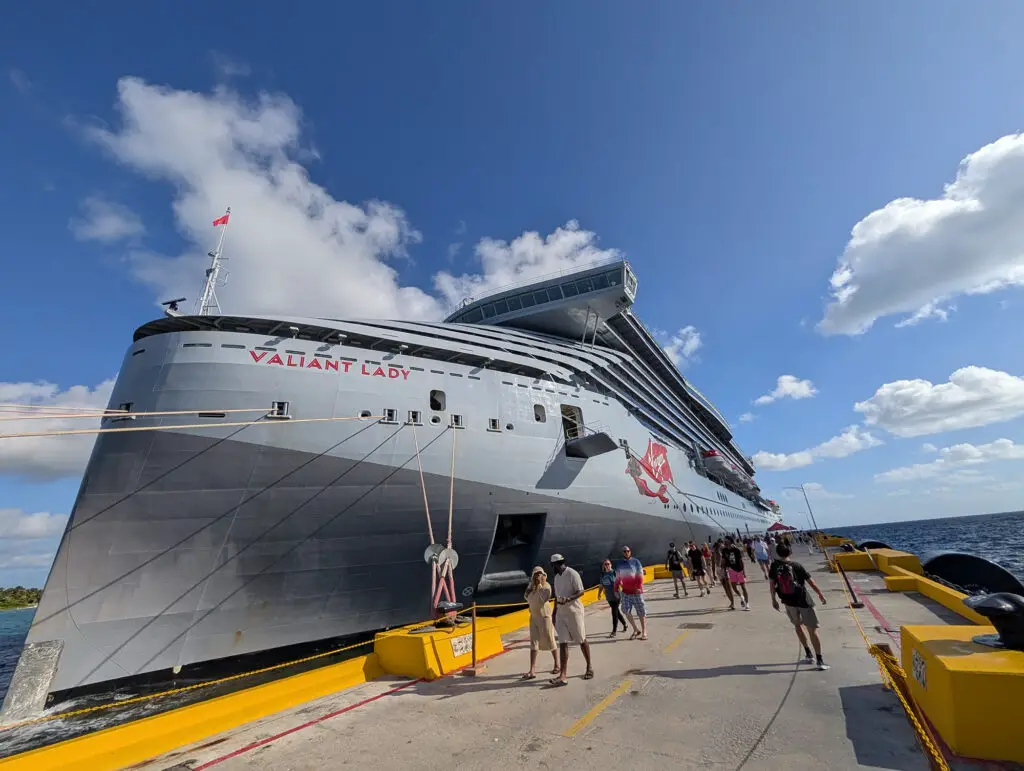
[
  {"x": 16, "y": 524},
  {"x": 817, "y": 490},
  {"x": 48, "y": 457},
  {"x": 913, "y": 256},
  {"x": 852, "y": 439},
  {"x": 973, "y": 396},
  {"x": 682, "y": 346},
  {"x": 954, "y": 463},
  {"x": 293, "y": 244},
  {"x": 746, "y": 417},
  {"x": 788, "y": 387},
  {"x": 105, "y": 221}
]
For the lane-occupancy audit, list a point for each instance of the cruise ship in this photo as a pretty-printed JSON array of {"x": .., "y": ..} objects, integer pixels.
[{"x": 278, "y": 488}]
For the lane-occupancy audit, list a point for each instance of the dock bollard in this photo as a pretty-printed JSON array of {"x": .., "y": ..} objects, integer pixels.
[
  {"x": 854, "y": 602},
  {"x": 474, "y": 669}
]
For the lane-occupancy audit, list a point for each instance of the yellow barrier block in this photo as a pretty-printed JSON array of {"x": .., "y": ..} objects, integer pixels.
[
  {"x": 132, "y": 743},
  {"x": 832, "y": 541},
  {"x": 661, "y": 573},
  {"x": 854, "y": 560},
  {"x": 949, "y": 598},
  {"x": 432, "y": 654},
  {"x": 901, "y": 583},
  {"x": 887, "y": 559},
  {"x": 971, "y": 693}
]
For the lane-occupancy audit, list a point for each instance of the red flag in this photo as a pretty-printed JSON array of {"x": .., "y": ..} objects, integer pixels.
[{"x": 221, "y": 220}]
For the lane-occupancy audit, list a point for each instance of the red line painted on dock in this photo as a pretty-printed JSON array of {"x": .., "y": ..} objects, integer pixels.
[
  {"x": 336, "y": 713},
  {"x": 882, "y": 620}
]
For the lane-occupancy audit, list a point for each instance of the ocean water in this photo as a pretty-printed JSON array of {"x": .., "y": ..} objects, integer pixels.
[
  {"x": 14, "y": 626},
  {"x": 998, "y": 538}
]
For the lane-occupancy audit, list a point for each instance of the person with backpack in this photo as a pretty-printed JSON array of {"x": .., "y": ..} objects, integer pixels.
[
  {"x": 789, "y": 580},
  {"x": 674, "y": 563}
]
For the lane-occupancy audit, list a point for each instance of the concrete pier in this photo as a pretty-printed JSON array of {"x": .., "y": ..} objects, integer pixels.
[{"x": 710, "y": 688}]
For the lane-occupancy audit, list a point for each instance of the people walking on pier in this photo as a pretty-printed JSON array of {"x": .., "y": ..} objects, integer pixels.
[
  {"x": 789, "y": 580},
  {"x": 612, "y": 595},
  {"x": 698, "y": 568},
  {"x": 542, "y": 630},
  {"x": 674, "y": 564},
  {"x": 718, "y": 568},
  {"x": 705, "y": 552},
  {"x": 732, "y": 557},
  {"x": 629, "y": 574},
  {"x": 570, "y": 624},
  {"x": 761, "y": 555}
]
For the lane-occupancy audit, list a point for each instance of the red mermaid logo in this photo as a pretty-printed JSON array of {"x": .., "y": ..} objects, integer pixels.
[{"x": 655, "y": 465}]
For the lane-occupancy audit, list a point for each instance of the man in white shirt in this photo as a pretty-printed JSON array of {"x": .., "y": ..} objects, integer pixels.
[{"x": 569, "y": 623}]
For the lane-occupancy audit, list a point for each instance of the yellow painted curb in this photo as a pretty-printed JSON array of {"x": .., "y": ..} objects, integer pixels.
[
  {"x": 430, "y": 655},
  {"x": 125, "y": 745}
]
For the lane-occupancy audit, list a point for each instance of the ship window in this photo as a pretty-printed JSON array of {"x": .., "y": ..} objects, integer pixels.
[
  {"x": 510, "y": 427},
  {"x": 457, "y": 421},
  {"x": 390, "y": 416},
  {"x": 584, "y": 285},
  {"x": 435, "y": 419},
  {"x": 554, "y": 293},
  {"x": 514, "y": 304},
  {"x": 125, "y": 406},
  {"x": 437, "y": 401},
  {"x": 415, "y": 418},
  {"x": 538, "y": 413},
  {"x": 613, "y": 278},
  {"x": 211, "y": 415},
  {"x": 493, "y": 424},
  {"x": 569, "y": 290},
  {"x": 278, "y": 410},
  {"x": 488, "y": 311},
  {"x": 365, "y": 414},
  {"x": 300, "y": 353},
  {"x": 143, "y": 350},
  {"x": 197, "y": 345},
  {"x": 540, "y": 296},
  {"x": 600, "y": 281},
  {"x": 500, "y": 306},
  {"x": 471, "y": 317},
  {"x": 528, "y": 301},
  {"x": 265, "y": 348}
]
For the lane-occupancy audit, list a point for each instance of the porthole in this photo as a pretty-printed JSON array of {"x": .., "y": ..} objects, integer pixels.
[
  {"x": 435, "y": 419},
  {"x": 510, "y": 427}
]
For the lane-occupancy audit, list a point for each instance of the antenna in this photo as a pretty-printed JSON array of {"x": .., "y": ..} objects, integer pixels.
[{"x": 207, "y": 304}]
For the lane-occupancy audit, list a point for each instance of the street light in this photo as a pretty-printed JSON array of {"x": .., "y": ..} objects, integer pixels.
[{"x": 807, "y": 501}]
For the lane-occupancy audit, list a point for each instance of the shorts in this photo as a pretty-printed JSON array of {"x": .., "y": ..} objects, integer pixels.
[
  {"x": 802, "y": 616},
  {"x": 762, "y": 561},
  {"x": 631, "y": 602},
  {"x": 698, "y": 572},
  {"x": 736, "y": 576},
  {"x": 678, "y": 574}
]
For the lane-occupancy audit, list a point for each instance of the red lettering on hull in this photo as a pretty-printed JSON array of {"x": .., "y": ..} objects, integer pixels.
[{"x": 327, "y": 365}]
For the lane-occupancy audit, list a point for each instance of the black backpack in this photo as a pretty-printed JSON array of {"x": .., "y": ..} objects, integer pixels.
[{"x": 789, "y": 589}]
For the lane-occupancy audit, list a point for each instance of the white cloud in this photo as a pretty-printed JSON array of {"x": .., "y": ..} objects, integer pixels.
[
  {"x": 682, "y": 346},
  {"x": 788, "y": 387},
  {"x": 954, "y": 463},
  {"x": 973, "y": 396},
  {"x": 17, "y": 524},
  {"x": 912, "y": 256},
  {"x": 929, "y": 311},
  {"x": 746, "y": 417},
  {"x": 929, "y": 447},
  {"x": 48, "y": 457},
  {"x": 817, "y": 490},
  {"x": 293, "y": 244},
  {"x": 105, "y": 221},
  {"x": 852, "y": 439},
  {"x": 227, "y": 67}
]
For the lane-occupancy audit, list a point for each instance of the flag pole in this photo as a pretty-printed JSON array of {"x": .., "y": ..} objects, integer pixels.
[{"x": 208, "y": 301}]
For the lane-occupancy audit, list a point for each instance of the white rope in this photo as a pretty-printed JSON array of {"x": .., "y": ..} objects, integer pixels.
[
  {"x": 451, "y": 489},
  {"x": 122, "y": 414},
  {"x": 423, "y": 486}
]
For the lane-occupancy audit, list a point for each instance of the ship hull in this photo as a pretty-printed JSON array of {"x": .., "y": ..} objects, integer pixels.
[{"x": 193, "y": 544}]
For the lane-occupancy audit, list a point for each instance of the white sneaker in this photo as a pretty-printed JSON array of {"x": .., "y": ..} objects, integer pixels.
[
  {"x": 807, "y": 660},
  {"x": 822, "y": 666},
  {"x": 743, "y": 604}
]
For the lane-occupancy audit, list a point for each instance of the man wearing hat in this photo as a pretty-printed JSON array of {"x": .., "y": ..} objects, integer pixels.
[{"x": 569, "y": 623}]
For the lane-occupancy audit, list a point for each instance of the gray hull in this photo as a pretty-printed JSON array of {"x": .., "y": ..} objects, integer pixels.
[{"x": 195, "y": 544}]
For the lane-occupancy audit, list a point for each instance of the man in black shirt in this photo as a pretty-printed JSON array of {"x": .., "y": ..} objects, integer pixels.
[
  {"x": 674, "y": 563},
  {"x": 789, "y": 580},
  {"x": 732, "y": 558},
  {"x": 697, "y": 568}
]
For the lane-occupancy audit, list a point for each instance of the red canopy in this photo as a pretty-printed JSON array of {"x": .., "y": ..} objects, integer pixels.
[{"x": 779, "y": 526}]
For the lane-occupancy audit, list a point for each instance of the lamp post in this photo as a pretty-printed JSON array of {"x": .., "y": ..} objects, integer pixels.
[{"x": 814, "y": 522}]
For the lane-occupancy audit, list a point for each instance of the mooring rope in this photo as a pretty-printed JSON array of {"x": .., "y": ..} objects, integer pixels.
[
  {"x": 125, "y": 414},
  {"x": 423, "y": 486},
  {"x": 451, "y": 490}
]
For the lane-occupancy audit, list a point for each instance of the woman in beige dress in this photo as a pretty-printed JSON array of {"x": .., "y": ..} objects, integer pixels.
[{"x": 542, "y": 631}]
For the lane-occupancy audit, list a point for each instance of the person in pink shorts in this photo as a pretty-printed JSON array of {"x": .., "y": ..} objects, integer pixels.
[{"x": 732, "y": 558}]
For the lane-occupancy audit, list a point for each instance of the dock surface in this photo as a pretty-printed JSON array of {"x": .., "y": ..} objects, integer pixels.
[{"x": 710, "y": 688}]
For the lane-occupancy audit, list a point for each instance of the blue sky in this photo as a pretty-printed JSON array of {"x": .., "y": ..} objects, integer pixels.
[{"x": 728, "y": 150}]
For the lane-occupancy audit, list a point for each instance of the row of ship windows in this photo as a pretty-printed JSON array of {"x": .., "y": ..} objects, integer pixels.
[
  {"x": 713, "y": 511},
  {"x": 540, "y": 296}
]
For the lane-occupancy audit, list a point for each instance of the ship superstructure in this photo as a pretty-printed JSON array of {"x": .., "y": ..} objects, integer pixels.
[{"x": 543, "y": 418}]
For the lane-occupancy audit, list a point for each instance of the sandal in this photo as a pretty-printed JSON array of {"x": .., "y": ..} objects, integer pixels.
[
  {"x": 556, "y": 683},
  {"x": 634, "y": 635},
  {"x": 589, "y": 674},
  {"x": 528, "y": 676},
  {"x": 555, "y": 671},
  {"x": 643, "y": 637}
]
